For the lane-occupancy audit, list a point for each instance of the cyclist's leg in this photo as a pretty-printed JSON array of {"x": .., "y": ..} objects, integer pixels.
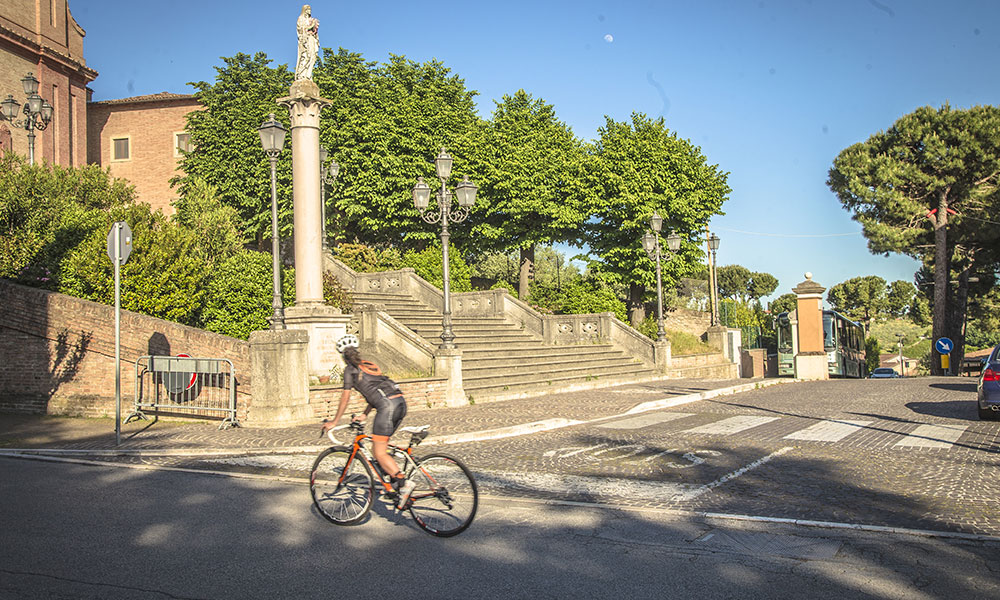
[{"x": 387, "y": 420}]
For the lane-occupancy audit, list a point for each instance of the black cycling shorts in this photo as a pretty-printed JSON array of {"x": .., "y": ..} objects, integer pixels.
[{"x": 389, "y": 415}]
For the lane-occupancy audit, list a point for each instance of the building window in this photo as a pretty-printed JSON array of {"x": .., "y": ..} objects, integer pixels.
[
  {"x": 120, "y": 151},
  {"x": 182, "y": 143}
]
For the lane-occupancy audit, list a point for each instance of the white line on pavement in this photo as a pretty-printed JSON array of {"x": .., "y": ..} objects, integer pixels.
[
  {"x": 732, "y": 425},
  {"x": 828, "y": 431},
  {"x": 933, "y": 436}
]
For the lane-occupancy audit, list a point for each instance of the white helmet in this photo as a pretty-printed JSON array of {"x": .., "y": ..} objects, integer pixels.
[{"x": 347, "y": 341}]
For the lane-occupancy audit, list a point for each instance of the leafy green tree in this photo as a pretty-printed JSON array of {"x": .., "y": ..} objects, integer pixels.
[
  {"x": 215, "y": 226},
  {"x": 227, "y": 152},
  {"x": 428, "y": 264},
  {"x": 761, "y": 284},
  {"x": 528, "y": 166},
  {"x": 860, "y": 298},
  {"x": 900, "y": 297},
  {"x": 783, "y": 303},
  {"x": 240, "y": 294},
  {"x": 637, "y": 167},
  {"x": 386, "y": 124},
  {"x": 926, "y": 187},
  {"x": 740, "y": 283},
  {"x": 872, "y": 354}
]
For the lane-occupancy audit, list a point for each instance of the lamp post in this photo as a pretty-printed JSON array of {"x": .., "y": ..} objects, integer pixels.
[
  {"x": 272, "y": 137},
  {"x": 37, "y": 112},
  {"x": 899, "y": 342},
  {"x": 327, "y": 175},
  {"x": 713, "y": 245},
  {"x": 466, "y": 196},
  {"x": 651, "y": 243}
]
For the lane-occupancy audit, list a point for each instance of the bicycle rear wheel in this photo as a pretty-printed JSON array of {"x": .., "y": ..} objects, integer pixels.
[
  {"x": 445, "y": 498},
  {"x": 343, "y": 497}
]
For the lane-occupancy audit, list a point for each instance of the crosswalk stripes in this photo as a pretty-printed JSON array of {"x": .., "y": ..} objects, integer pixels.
[
  {"x": 933, "y": 436},
  {"x": 824, "y": 430},
  {"x": 828, "y": 431}
]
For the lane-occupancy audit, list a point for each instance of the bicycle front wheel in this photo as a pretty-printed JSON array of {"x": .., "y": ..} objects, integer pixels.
[
  {"x": 445, "y": 498},
  {"x": 342, "y": 495}
]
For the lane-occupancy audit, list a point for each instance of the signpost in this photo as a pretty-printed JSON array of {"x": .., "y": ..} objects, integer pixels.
[
  {"x": 944, "y": 346},
  {"x": 119, "y": 249}
]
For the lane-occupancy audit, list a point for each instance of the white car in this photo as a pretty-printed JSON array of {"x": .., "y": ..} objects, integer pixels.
[{"x": 884, "y": 373}]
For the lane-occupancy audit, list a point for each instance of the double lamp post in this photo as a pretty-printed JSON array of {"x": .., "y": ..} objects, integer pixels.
[
  {"x": 37, "y": 112},
  {"x": 651, "y": 244},
  {"x": 272, "y": 137},
  {"x": 465, "y": 193}
]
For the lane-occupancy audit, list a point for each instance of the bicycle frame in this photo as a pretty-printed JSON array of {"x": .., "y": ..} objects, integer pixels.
[{"x": 409, "y": 467}]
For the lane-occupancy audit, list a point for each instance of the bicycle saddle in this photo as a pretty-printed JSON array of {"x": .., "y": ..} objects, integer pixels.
[{"x": 415, "y": 429}]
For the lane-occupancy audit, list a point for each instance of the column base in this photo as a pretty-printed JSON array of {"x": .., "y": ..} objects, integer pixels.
[
  {"x": 811, "y": 366},
  {"x": 279, "y": 379},
  {"x": 324, "y": 325}
]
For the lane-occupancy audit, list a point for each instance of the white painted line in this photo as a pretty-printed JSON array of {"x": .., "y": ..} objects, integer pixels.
[
  {"x": 502, "y": 432},
  {"x": 730, "y": 476},
  {"x": 732, "y": 425},
  {"x": 933, "y": 436},
  {"x": 828, "y": 431},
  {"x": 645, "y": 420}
]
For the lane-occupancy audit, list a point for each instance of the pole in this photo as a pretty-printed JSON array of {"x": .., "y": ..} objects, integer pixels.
[
  {"x": 31, "y": 141},
  {"x": 118, "y": 334},
  {"x": 278, "y": 313},
  {"x": 447, "y": 335},
  {"x": 661, "y": 332}
]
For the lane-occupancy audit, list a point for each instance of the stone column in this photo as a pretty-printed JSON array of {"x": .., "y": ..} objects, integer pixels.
[
  {"x": 304, "y": 106},
  {"x": 324, "y": 324},
  {"x": 662, "y": 355},
  {"x": 810, "y": 359},
  {"x": 279, "y": 379},
  {"x": 448, "y": 363}
]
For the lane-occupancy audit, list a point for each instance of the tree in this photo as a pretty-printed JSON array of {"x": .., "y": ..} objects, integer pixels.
[
  {"x": 900, "y": 297},
  {"x": 860, "y": 298},
  {"x": 635, "y": 168},
  {"x": 385, "y": 125},
  {"x": 783, "y": 303},
  {"x": 227, "y": 153},
  {"x": 926, "y": 187},
  {"x": 529, "y": 168}
]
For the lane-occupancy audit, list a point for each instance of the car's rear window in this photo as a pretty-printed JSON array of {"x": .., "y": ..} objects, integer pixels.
[{"x": 882, "y": 370}]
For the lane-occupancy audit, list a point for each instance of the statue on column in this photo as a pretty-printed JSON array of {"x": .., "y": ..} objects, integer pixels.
[{"x": 308, "y": 30}]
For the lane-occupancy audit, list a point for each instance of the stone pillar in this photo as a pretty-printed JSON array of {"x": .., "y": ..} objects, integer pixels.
[
  {"x": 448, "y": 363},
  {"x": 716, "y": 335},
  {"x": 304, "y": 106},
  {"x": 325, "y": 325},
  {"x": 280, "y": 379},
  {"x": 810, "y": 360},
  {"x": 662, "y": 355}
]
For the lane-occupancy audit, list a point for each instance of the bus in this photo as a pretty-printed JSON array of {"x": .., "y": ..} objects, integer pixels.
[{"x": 843, "y": 341}]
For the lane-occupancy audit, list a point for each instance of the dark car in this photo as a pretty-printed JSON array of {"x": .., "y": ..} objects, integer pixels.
[
  {"x": 989, "y": 387},
  {"x": 884, "y": 373}
]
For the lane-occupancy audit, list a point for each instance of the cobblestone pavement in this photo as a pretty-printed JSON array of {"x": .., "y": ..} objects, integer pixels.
[{"x": 906, "y": 453}]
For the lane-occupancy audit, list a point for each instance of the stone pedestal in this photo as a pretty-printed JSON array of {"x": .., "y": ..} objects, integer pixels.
[
  {"x": 324, "y": 326},
  {"x": 662, "y": 355},
  {"x": 304, "y": 105},
  {"x": 810, "y": 359},
  {"x": 448, "y": 363},
  {"x": 280, "y": 379},
  {"x": 717, "y": 337}
]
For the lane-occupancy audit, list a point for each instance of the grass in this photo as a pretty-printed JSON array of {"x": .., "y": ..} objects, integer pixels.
[{"x": 682, "y": 343}]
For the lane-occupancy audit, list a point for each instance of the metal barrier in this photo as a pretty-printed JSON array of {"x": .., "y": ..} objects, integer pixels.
[{"x": 203, "y": 386}]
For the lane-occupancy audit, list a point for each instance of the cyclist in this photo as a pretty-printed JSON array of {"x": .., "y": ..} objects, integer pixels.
[{"x": 384, "y": 396}]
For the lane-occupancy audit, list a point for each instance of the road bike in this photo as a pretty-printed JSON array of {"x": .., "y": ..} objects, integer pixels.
[{"x": 345, "y": 481}]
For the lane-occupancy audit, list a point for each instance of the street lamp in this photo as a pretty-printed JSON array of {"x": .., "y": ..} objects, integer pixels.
[
  {"x": 37, "y": 112},
  {"x": 272, "y": 137},
  {"x": 651, "y": 243},
  {"x": 902, "y": 365},
  {"x": 713, "y": 245},
  {"x": 328, "y": 175},
  {"x": 466, "y": 196}
]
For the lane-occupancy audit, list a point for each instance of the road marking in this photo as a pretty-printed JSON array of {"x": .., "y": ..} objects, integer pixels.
[
  {"x": 730, "y": 476},
  {"x": 828, "y": 431},
  {"x": 933, "y": 436},
  {"x": 732, "y": 425},
  {"x": 644, "y": 420}
]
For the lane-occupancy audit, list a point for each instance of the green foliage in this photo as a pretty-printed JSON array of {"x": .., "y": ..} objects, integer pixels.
[
  {"x": 740, "y": 283},
  {"x": 588, "y": 296},
  {"x": 364, "y": 259},
  {"x": 634, "y": 169},
  {"x": 240, "y": 294},
  {"x": 336, "y": 295},
  {"x": 681, "y": 343},
  {"x": 738, "y": 314},
  {"x": 428, "y": 264},
  {"x": 885, "y": 332},
  {"x": 215, "y": 226},
  {"x": 900, "y": 297},
  {"x": 872, "y": 352},
  {"x": 783, "y": 303},
  {"x": 528, "y": 166},
  {"x": 227, "y": 152},
  {"x": 863, "y": 299}
]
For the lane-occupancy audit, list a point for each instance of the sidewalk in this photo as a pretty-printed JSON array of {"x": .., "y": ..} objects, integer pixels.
[{"x": 67, "y": 435}]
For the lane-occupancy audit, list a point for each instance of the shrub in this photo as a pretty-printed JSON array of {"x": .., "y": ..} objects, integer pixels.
[
  {"x": 428, "y": 264},
  {"x": 239, "y": 296}
]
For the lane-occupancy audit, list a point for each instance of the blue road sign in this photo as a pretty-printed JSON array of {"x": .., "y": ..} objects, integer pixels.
[{"x": 944, "y": 345}]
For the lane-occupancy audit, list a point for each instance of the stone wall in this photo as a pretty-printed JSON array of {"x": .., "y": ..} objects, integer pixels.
[
  {"x": 689, "y": 321},
  {"x": 57, "y": 353},
  {"x": 420, "y": 394}
]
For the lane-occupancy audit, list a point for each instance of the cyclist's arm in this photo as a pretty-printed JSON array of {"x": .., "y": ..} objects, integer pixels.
[{"x": 345, "y": 396}]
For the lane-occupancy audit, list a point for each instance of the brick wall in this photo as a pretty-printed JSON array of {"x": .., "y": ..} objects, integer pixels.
[
  {"x": 420, "y": 394},
  {"x": 150, "y": 123},
  {"x": 57, "y": 353}
]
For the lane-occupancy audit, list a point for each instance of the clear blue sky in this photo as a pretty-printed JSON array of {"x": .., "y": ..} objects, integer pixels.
[{"x": 770, "y": 90}]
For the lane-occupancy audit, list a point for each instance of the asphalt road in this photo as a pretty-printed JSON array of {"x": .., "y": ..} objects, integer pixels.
[{"x": 80, "y": 531}]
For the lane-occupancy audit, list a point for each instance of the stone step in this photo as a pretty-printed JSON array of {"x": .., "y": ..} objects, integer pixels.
[
  {"x": 503, "y": 390},
  {"x": 542, "y": 354},
  {"x": 553, "y": 373},
  {"x": 480, "y": 328},
  {"x": 514, "y": 366}
]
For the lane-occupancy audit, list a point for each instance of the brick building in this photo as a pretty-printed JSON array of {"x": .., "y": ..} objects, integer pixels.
[
  {"x": 141, "y": 139},
  {"x": 41, "y": 37}
]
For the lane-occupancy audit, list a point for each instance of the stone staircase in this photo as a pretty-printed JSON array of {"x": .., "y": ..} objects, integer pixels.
[{"x": 502, "y": 360}]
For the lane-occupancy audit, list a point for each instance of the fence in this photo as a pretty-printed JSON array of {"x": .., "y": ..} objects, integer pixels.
[{"x": 180, "y": 384}]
